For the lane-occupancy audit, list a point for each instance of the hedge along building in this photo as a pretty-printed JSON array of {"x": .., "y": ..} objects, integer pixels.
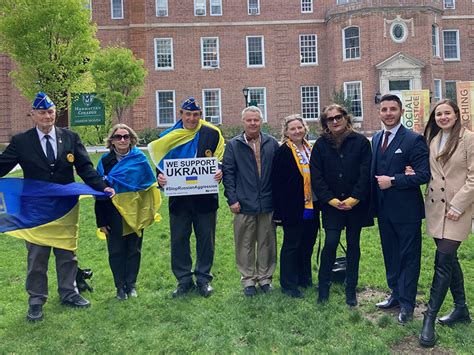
[{"x": 290, "y": 54}]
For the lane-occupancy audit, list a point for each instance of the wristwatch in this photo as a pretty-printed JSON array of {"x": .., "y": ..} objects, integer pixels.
[{"x": 393, "y": 182}]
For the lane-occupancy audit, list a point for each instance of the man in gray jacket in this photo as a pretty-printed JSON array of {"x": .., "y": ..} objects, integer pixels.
[{"x": 247, "y": 167}]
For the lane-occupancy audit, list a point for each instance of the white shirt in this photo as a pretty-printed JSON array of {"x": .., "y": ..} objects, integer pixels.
[
  {"x": 393, "y": 132},
  {"x": 52, "y": 140}
]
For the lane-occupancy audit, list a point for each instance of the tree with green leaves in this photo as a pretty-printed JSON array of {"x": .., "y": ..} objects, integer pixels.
[
  {"x": 51, "y": 43},
  {"x": 338, "y": 97},
  {"x": 119, "y": 78}
]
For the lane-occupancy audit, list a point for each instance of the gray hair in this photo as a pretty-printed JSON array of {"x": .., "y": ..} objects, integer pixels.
[
  {"x": 133, "y": 135},
  {"x": 252, "y": 109}
]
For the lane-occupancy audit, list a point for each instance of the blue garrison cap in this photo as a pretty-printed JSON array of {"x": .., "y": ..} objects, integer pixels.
[
  {"x": 190, "y": 104},
  {"x": 42, "y": 102}
]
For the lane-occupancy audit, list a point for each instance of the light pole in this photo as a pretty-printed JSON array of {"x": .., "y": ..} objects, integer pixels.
[{"x": 245, "y": 91}]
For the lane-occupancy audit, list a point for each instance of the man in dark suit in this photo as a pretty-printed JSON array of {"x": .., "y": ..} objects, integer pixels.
[
  {"x": 49, "y": 153},
  {"x": 398, "y": 203}
]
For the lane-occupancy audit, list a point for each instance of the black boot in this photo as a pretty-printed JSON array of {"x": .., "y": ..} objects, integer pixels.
[
  {"x": 460, "y": 313},
  {"x": 351, "y": 298},
  {"x": 439, "y": 287},
  {"x": 323, "y": 290}
]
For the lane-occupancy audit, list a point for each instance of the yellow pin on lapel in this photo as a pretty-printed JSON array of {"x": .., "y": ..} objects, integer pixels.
[
  {"x": 70, "y": 158},
  {"x": 208, "y": 153}
]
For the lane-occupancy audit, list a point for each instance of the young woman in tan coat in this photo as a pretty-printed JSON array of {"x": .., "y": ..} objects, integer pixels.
[{"x": 449, "y": 211}]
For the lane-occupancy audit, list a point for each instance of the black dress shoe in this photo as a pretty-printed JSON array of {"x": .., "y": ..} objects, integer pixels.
[
  {"x": 405, "y": 316},
  {"x": 121, "y": 294},
  {"x": 35, "y": 313},
  {"x": 132, "y": 292},
  {"x": 205, "y": 289},
  {"x": 250, "y": 291},
  {"x": 293, "y": 293},
  {"x": 388, "y": 303},
  {"x": 76, "y": 301},
  {"x": 183, "y": 289},
  {"x": 351, "y": 297},
  {"x": 266, "y": 288}
]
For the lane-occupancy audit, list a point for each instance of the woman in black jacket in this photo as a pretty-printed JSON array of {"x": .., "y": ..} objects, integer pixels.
[
  {"x": 340, "y": 169},
  {"x": 294, "y": 208}
]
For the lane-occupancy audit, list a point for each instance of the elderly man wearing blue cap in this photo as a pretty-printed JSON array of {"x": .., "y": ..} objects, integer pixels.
[
  {"x": 190, "y": 137},
  {"x": 49, "y": 153}
]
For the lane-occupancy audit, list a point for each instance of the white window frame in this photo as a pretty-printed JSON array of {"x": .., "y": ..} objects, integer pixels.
[
  {"x": 315, "y": 49},
  {"x": 343, "y": 2},
  {"x": 204, "y": 106},
  {"x": 449, "y": 7},
  {"x": 112, "y": 10},
  {"x": 158, "y": 124},
  {"x": 305, "y": 3},
  {"x": 172, "y": 54},
  {"x": 346, "y": 83},
  {"x": 435, "y": 48},
  {"x": 344, "y": 44},
  {"x": 264, "y": 100},
  {"x": 318, "y": 99},
  {"x": 203, "y": 66},
  {"x": 219, "y": 2},
  {"x": 263, "y": 52},
  {"x": 161, "y": 8},
  {"x": 251, "y": 11},
  {"x": 438, "y": 90},
  {"x": 458, "y": 48},
  {"x": 199, "y": 8}
]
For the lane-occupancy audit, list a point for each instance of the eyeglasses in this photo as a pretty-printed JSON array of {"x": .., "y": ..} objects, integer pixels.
[
  {"x": 119, "y": 137},
  {"x": 336, "y": 118}
]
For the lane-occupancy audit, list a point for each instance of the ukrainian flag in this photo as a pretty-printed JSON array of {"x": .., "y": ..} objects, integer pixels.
[
  {"x": 137, "y": 197},
  {"x": 41, "y": 212},
  {"x": 191, "y": 180}
]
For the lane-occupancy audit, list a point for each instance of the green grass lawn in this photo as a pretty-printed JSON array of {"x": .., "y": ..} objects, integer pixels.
[{"x": 227, "y": 322}]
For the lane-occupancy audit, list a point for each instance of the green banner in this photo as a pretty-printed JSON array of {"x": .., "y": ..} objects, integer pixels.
[{"x": 86, "y": 110}]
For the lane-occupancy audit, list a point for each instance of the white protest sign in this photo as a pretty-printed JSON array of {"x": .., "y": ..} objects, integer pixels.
[{"x": 193, "y": 176}]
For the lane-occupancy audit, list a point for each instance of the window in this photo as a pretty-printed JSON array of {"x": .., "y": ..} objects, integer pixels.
[
  {"x": 306, "y": 6},
  {"x": 353, "y": 92},
  {"x": 210, "y": 52},
  {"x": 116, "y": 7},
  {"x": 258, "y": 97},
  {"x": 216, "y": 7},
  {"x": 255, "y": 52},
  {"x": 351, "y": 43},
  {"x": 398, "y": 85},
  {"x": 199, "y": 7},
  {"x": 449, "y": 4},
  {"x": 437, "y": 90},
  {"x": 165, "y": 113},
  {"x": 342, "y": 2},
  {"x": 451, "y": 92},
  {"x": 308, "y": 50},
  {"x": 88, "y": 5},
  {"x": 254, "y": 7},
  {"x": 164, "y": 54},
  {"x": 161, "y": 7},
  {"x": 310, "y": 102},
  {"x": 212, "y": 105},
  {"x": 451, "y": 45},
  {"x": 399, "y": 31},
  {"x": 435, "y": 39}
]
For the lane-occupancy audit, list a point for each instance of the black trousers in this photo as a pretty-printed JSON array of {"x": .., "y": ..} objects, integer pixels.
[
  {"x": 124, "y": 258},
  {"x": 296, "y": 253},
  {"x": 328, "y": 255},
  {"x": 37, "y": 273},
  {"x": 181, "y": 226},
  {"x": 401, "y": 247}
]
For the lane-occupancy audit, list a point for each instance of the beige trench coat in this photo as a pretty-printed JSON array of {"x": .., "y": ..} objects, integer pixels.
[{"x": 451, "y": 184}]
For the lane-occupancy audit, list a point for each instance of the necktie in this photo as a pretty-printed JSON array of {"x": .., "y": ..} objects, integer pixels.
[
  {"x": 385, "y": 142},
  {"x": 49, "y": 150}
]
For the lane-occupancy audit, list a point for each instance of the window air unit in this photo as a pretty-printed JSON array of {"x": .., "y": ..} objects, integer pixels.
[
  {"x": 253, "y": 11},
  {"x": 214, "y": 119},
  {"x": 162, "y": 12},
  {"x": 449, "y": 5},
  {"x": 200, "y": 12},
  {"x": 213, "y": 63}
]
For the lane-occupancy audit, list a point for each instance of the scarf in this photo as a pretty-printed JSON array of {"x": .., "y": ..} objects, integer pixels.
[{"x": 303, "y": 166}]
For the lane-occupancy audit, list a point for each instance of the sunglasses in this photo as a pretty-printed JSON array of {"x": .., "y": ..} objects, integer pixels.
[
  {"x": 119, "y": 137},
  {"x": 336, "y": 118}
]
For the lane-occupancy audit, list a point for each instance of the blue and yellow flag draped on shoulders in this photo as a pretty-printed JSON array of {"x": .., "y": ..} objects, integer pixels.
[
  {"x": 137, "y": 197},
  {"x": 41, "y": 212},
  {"x": 179, "y": 143}
]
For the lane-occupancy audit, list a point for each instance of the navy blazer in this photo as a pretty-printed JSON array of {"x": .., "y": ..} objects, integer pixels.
[{"x": 402, "y": 203}]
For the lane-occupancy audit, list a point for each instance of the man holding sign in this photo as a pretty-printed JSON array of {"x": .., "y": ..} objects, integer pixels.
[{"x": 190, "y": 137}]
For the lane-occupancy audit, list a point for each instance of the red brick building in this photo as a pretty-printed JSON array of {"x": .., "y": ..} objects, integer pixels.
[{"x": 291, "y": 54}]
